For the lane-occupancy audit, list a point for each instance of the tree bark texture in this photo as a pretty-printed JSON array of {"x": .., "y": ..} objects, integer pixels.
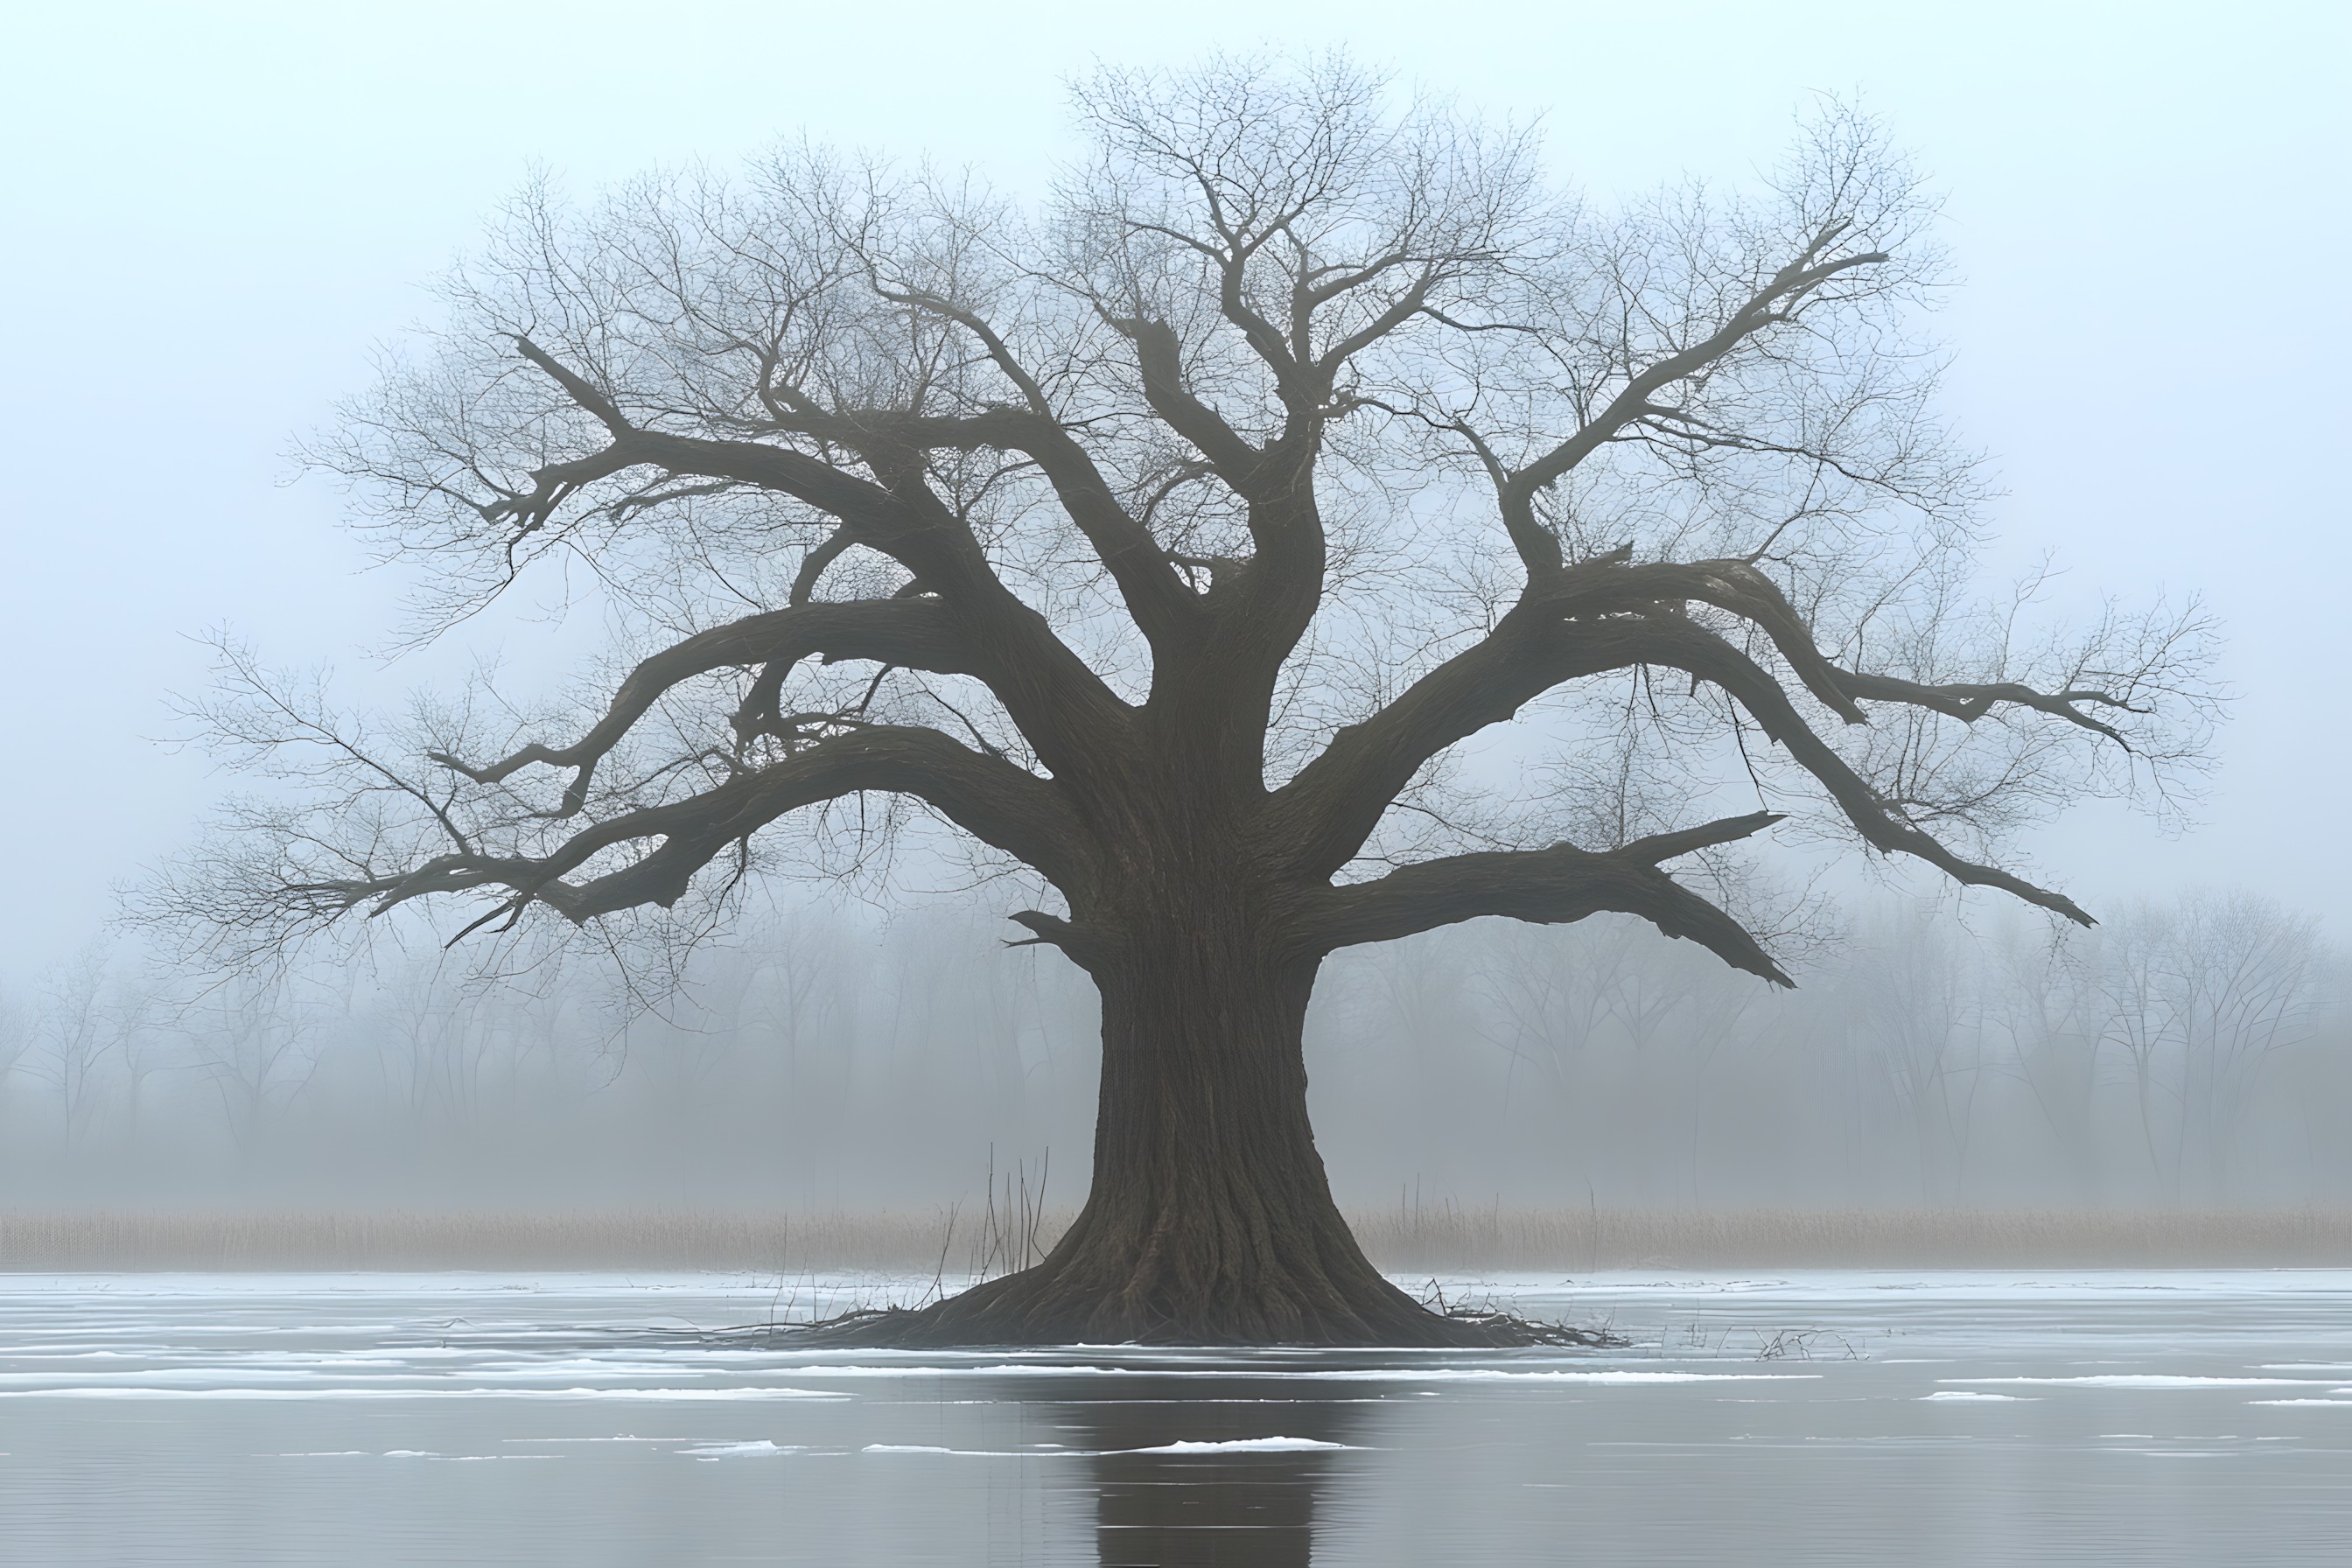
[{"x": 1210, "y": 1220}]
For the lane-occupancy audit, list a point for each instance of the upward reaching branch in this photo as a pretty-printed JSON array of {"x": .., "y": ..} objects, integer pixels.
[
  {"x": 1163, "y": 608},
  {"x": 915, "y": 634},
  {"x": 1038, "y": 678}
]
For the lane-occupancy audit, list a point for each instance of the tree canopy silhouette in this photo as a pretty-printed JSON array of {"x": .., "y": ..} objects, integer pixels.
[{"x": 1170, "y": 539}]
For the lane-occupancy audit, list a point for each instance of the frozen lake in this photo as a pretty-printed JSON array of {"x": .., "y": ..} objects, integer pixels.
[{"x": 1975, "y": 1418}]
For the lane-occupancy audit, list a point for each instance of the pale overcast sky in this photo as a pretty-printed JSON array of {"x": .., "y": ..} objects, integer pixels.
[{"x": 214, "y": 211}]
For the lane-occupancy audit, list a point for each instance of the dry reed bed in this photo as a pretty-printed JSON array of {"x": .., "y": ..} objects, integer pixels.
[{"x": 1440, "y": 1240}]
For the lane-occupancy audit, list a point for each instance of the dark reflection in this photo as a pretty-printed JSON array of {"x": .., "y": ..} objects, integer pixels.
[{"x": 1231, "y": 1508}]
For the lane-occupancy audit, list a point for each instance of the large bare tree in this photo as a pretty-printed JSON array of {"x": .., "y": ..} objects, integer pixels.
[{"x": 1173, "y": 539}]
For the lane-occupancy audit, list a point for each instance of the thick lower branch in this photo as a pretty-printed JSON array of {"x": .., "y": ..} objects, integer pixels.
[{"x": 1555, "y": 886}]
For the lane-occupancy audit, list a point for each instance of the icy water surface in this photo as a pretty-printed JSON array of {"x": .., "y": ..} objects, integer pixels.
[{"x": 1810, "y": 1418}]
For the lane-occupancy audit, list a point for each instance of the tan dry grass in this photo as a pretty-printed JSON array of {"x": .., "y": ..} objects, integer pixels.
[{"x": 1567, "y": 1241}]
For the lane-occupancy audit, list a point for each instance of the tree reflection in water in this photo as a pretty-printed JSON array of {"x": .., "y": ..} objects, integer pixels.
[{"x": 1235, "y": 1507}]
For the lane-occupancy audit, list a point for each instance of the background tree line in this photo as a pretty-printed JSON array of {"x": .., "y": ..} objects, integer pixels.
[{"x": 2193, "y": 1051}]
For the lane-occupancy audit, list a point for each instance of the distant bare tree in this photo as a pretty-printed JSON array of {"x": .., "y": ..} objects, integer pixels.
[
  {"x": 1719, "y": 1007},
  {"x": 72, "y": 1036},
  {"x": 2199, "y": 994},
  {"x": 1549, "y": 992},
  {"x": 2245, "y": 981},
  {"x": 806, "y": 1009},
  {"x": 1921, "y": 1016},
  {"x": 15, "y": 1039},
  {"x": 1171, "y": 541},
  {"x": 148, "y": 1045},
  {"x": 2140, "y": 1017},
  {"x": 2044, "y": 1002},
  {"x": 2317, "y": 1080},
  {"x": 256, "y": 1050}
]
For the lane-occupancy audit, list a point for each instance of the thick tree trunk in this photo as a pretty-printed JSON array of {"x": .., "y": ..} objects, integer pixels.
[{"x": 1210, "y": 1220}]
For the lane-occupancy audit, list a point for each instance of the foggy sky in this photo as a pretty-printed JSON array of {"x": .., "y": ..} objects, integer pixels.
[{"x": 215, "y": 213}]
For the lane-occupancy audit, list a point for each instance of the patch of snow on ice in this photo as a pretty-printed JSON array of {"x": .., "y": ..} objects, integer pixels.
[
  {"x": 1243, "y": 1446},
  {"x": 383, "y": 1393},
  {"x": 2147, "y": 1380},
  {"x": 1365, "y": 1375}
]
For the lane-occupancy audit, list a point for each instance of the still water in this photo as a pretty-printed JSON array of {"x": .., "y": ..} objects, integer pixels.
[{"x": 1960, "y": 1418}]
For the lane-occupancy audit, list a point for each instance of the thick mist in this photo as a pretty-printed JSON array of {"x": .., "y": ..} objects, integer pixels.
[
  {"x": 307, "y": 179},
  {"x": 2187, "y": 1053}
]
